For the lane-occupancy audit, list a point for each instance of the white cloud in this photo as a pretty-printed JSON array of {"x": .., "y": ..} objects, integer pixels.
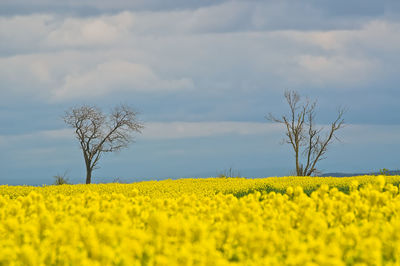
[
  {"x": 179, "y": 130},
  {"x": 384, "y": 36},
  {"x": 342, "y": 58},
  {"x": 35, "y": 75},
  {"x": 56, "y": 134},
  {"x": 81, "y": 75},
  {"x": 380, "y": 35},
  {"x": 163, "y": 51},
  {"x": 24, "y": 32},
  {"x": 369, "y": 134},
  {"x": 25, "y": 75},
  {"x": 226, "y": 17},
  {"x": 113, "y": 76},
  {"x": 91, "y": 31},
  {"x": 89, "y": 6},
  {"x": 163, "y": 130},
  {"x": 44, "y": 32},
  {"x": 350, "y": 134},
  {"x": 335, "y": 70}
]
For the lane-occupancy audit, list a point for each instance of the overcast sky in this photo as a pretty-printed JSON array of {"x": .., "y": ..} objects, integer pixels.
[{"x": 203, "y": 75}]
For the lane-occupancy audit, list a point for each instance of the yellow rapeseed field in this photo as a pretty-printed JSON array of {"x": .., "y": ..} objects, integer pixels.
[{"x": 213, "y": 221}]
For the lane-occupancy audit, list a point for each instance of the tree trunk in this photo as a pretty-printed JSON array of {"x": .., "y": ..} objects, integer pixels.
[
  {"x": 88, "y": 175},
  {"x": 298, "y": 170}
]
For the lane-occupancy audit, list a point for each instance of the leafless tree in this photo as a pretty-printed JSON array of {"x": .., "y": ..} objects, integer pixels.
[
  {"x": 61, "y": 179},
  {"x": 98, "y": 133},
  {"x": 307, "y": 141}
]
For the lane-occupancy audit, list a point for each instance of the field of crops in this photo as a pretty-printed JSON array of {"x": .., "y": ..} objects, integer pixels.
[{"x": 213, "y": 221}]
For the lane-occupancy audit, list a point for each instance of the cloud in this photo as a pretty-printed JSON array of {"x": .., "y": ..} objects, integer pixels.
[
  {"x": 24, "y": 32},
  {"x": 162, "y": 130},
  {"x": 25, "y": 75},
  {"x": 99, "y": 30},
  {"x": 81, "y": 75},
  {"x": 189, "y": 60},
  {"x": 55, "y": 134},
  {"x": 356, "y": 134},
  {"x": 180, "y": 130},
  {"x": 89, "y": 7},
  {"x": 260, "y": 15},
  {"x": 351, "y": 134},
  {"x": 231, "y": 16},
  {"x": 38, "y": 32},
  {"x": 369, "y": 36},
  {"x": 34, "y": 75},
  {"x": 111, "y": 76},
  {"x": 341, "y": 71},
  {"x": 207, "y": 51},
  {"x": 34, "y": 31},
  {"x": 344, "y": 58}
]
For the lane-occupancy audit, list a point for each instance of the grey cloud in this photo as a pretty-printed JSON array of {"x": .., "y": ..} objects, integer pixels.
[
  {"x": 238, "y": 63},
  {"x": 185, "y": 48},
  {"x": 111, "y": 77},
  {"x": 218, "y": 16},
  {"x": 342, "y": 8},
  {"x": 80, "y": 76},
  {"x": 90, "y": 8},
  {"x": 196, "y": 61}
]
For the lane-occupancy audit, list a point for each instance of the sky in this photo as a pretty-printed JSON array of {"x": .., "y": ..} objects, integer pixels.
[{"x": 203, "y": 75}]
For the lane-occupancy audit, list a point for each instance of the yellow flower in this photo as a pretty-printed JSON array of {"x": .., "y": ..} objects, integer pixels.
[{"x": 223, "y": 221}]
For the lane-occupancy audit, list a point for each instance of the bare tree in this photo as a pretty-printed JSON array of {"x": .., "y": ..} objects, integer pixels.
[
  {"x": 61, "y": 179},
  {"x": 98, "y": 133},
  {"x": 307, "y": 141}
]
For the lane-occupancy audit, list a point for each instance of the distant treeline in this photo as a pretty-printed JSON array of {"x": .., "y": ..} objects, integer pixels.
[{"x": 383, "y": 171}]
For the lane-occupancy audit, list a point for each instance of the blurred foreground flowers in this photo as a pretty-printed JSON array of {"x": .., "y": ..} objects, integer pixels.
[{"x": 227, "y": 221}]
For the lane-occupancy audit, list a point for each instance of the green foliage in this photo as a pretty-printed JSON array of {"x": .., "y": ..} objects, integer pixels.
[{"x": 384, "y": 171}]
